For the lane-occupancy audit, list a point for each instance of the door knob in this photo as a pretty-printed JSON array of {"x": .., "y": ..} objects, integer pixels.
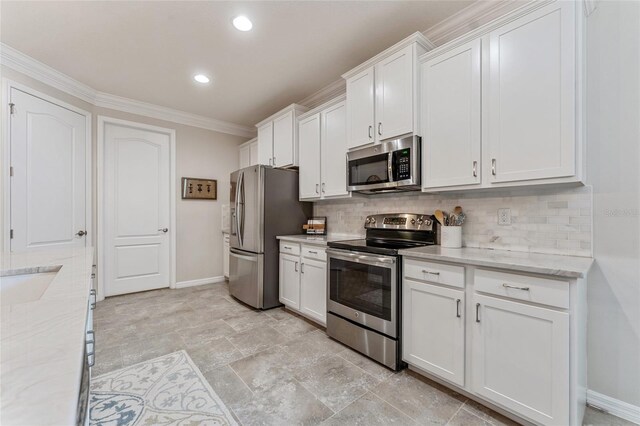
[
  {"x": 165, "y": 230},
  {"x": 81, "y": 233}
]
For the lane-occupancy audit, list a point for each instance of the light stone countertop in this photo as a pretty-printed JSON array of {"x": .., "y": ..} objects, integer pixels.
[
  {"x": 42, "y": 341},
  {"x": 547, "y": 264},
  {"x": 318, "y": 240}
]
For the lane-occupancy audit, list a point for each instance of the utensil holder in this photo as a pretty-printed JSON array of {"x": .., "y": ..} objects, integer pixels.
[{"x": 451, "y": 236}]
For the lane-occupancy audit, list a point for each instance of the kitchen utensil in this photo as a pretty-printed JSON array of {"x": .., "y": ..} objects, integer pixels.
[
  {"x": 460, "y": 218},
  {"x": 440, "y": 217}
]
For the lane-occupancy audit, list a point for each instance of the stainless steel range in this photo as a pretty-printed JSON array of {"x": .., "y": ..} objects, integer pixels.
[{"x": 364, "y": 278}]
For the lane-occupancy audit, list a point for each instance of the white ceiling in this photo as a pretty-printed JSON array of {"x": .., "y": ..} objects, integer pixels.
[{"x": 149, "y": 51}]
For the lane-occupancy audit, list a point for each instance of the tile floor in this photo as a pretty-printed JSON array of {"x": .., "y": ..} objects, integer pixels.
[{"x": 275, "y": 368}]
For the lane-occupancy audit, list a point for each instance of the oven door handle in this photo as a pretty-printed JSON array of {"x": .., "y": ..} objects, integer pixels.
[{"x": 360, "y": 257}]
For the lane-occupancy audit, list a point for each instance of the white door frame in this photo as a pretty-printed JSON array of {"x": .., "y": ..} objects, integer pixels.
[
  {"x": 101, "y": 248},
  {"x": 7, "y": 85}
]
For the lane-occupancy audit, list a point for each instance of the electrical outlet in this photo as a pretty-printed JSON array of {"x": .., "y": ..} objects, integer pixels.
[{"x": 504, "y": 216}]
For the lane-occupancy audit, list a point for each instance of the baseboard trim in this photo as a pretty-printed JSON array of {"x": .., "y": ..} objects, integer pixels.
[
  {"x": 614, "y": 406},
  {"x": 201, "y": 281}
]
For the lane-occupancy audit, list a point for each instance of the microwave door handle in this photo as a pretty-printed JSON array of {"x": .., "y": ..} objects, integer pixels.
[{"x": 390, "y": 167}]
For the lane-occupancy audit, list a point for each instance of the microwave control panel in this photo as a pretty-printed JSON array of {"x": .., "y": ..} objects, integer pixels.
[{"x": 402, "y": 161}]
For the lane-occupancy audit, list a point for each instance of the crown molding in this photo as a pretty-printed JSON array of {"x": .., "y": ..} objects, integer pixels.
[
  {"x": 337, "y": 88},
  {"x": 471, "y": 17},
  {"x": 326, "y": 104},
  {"x": 35, "y": 69},
  {"x": 296, "y": 108}
]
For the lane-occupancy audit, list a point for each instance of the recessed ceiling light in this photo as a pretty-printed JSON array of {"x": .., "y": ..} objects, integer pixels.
[
  {"x": 201, "y": 78},
  {"x": 242, "y": 23}
]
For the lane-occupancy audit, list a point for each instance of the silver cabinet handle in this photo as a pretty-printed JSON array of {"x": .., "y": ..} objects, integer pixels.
[
  {"x": 295, "y": 267},
  {"x": 81, "y": 233},
  {"x": 515, "y": 287},
  {"x": 165, "y": 230},
  {"x": 287, "y": 248},
  {"x": 493, "y": 166},
  {"x": 424, "y": 271},
  {"x": 458, "y": 314},
  {"x": 323, "y": 185},
  {"x": 380, "y": 129},
  {"x": 317, "y": 188},
  {"x": 475, "y": 169},
  {"x": 302, "y": 268},
  {"x": 477, "y": 312},
  {"x": 313, "y": 252},
  {"x": 370, "y": 129}
]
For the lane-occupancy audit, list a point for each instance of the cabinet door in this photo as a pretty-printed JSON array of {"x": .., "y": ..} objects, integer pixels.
[
  {"x": 313, "y": 290},
  {"x": 284, "y": 152},
  {"x": 433, "y": 321},
  {"x": 360, "y": 109},
  {"x": 245, "y": 156},
  {"x": 253, "y": 153},
  {"x": 309, "y": 157},
  {"x": 334, "y": 151},
  {"x": 521, "y": 358},
  {"x": 265, "y": 144},
  {"x": 395, "y": 97},
  {"x": 290, "y": 281},
  {"x": 451, "y": 107},
  {"x": 532, "y": 78}
]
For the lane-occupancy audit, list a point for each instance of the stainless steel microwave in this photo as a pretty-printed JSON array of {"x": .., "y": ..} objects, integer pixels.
[{"x": 387, "y": 167}]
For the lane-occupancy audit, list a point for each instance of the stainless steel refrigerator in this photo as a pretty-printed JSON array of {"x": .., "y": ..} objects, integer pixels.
[{"x": 264, "y": 204}]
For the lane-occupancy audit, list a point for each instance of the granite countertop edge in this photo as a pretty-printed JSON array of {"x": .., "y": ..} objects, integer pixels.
[{"x": 545, "y": 264}]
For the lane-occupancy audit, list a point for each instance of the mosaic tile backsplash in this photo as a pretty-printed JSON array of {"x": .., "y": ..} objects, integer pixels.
[{"x": 543, "y": 220}]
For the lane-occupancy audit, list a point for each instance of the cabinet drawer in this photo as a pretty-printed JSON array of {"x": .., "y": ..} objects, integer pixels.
[
  {"x": 435, "y": 272},
  {"x": 289, "y": 248},
  {"x": 533, "y": 289},
  {"x": 313, "y": 252}
]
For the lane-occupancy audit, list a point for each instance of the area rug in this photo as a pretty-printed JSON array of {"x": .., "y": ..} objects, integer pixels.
[{"x": 169, "y": 390}]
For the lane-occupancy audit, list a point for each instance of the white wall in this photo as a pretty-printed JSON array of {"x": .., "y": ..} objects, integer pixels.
[
  {"x": 200, "y": 153},
  {"x": 613, "y": 132}
]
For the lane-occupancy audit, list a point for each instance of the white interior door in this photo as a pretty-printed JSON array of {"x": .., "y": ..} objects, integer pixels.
[
  {"x": 137, "y": 179},
  {"x": 48, "y": 189}
]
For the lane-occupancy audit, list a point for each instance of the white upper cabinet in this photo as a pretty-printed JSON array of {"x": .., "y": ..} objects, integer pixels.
[
  {"x": 395, "y": 94},
  {"x": 278, "y": 138},
  {"x": 323, "y": 149},
  {"x": 249, "y": 153},
  {"x": 451, "y": 114},
  {"x": 309, "y": 147},
  {"x": 382, "y": 98},
  {"x": 532, "y": 96},
  {"x": 265, "y": 144},
  {"x": 334, "y": 151},
  {"x": 284, "y": 150},
  {"x": 360, "y": 107}
]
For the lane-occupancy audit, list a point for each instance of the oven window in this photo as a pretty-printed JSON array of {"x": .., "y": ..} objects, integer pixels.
[
  {"x": 365, "y": 288},
  {"x": 368, "y": 170}
]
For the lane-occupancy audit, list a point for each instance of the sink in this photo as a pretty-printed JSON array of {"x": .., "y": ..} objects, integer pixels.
[{"x": 22, "y": 287}]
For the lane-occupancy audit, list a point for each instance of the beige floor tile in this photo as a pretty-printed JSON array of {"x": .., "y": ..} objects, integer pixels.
[
  {"x": 369, "y": 410},
  {"x": 294, "y": 327},
  {"x": 336, "y": 382},
  {"x": 214, "y": 354},
  {"x": 424, "y": 402},
  {"x": 264, "y": 369},
  {"x": 377, "y": 370},
  {"x": 256, "y": 339},
  {"x": 286, "y": 404}
]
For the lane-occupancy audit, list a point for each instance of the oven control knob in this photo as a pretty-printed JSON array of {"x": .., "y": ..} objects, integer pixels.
[
  {"x": 420, "y": 221},
  {"x": 373, "y": 220},
  {"x": 357, "y": 314},
  {"x": 368, "y": 220},
  {"x": 413, "y": 221}
]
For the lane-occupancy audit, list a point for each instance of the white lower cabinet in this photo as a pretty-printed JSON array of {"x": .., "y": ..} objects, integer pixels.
[
  {"x": 313, "y": 289},
  {"x": 290, "y": 280},
  {"x": 519, "y": 343},
  {"x": 433, "y": 335},
  {"x": 303, "y": 280},
  {"x": 520, "y": 358}
]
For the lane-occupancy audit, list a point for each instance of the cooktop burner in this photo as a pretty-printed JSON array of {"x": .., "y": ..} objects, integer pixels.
[{"x": 388, "y": 233}]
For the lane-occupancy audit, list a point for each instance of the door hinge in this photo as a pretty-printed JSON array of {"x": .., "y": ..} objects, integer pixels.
[
  {"x": 11, "y": 234},
  {"x": 12, "y": 108},
  {"x": 11, "y": 171}
]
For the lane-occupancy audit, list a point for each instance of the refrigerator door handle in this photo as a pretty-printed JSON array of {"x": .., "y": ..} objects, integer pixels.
[
  {"x": 242, "y": 256},
  {"x": 242, "y": 199},
  {"x": 238, "y": 204}
]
